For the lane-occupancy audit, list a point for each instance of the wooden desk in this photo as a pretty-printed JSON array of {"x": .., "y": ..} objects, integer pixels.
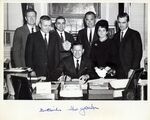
[{"x": 89, "y": 93}]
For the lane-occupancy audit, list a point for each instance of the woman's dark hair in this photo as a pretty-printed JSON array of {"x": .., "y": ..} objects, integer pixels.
[{"x": 101, "y": 23}]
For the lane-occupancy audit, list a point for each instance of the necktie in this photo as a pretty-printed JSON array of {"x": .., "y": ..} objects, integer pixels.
[
  {"x": 90, "y": 37},
  {"x": 32, "y": 30},
  {"x": 77, "y": 66},
  {"x": 45, "y": 39},
  {"x": 121, "y": 36},
  {"x": 61, "y": 37}
]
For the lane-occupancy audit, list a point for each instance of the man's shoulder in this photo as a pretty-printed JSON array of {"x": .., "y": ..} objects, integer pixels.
[
  {"x": 35, "y": 34},
  {"x": 67, "y": 59},
  {"x": 67, "y": 33},
  {"x": 22, "y": 27},
  {"x": 53, "y": 33},
  {"x": 82, "y": 30},
  {"x": 86, "y": 59},
  {"x": 133, "y": 31}
]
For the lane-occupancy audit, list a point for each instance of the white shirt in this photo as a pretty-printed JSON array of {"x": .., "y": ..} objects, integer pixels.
[
  {"x": 47, "y": 36},
  {"x": 88, "y": 33},
  {"x": 30, "y": 28},
  {"x": 124, "y": 31},
  {"x": 63, "y": 34},
  {"x": 75, "y": 61}
]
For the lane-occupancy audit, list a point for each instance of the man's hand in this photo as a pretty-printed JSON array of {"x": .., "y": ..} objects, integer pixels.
[
  {"x": 42, "y": 78},
  {"x": 100, "y": 72},
  {"x": 33, "y": 74},
  {"x": 64, "y": 78},
  {"x": 83, "y": 78}
]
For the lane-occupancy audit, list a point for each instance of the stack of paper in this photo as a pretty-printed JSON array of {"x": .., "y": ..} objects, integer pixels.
[
  {"x": 71, "y": 89},
  {"x": 43, "y": 87}
]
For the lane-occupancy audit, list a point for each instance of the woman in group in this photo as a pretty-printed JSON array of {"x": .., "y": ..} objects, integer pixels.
[{"x": 102, "y": 52}]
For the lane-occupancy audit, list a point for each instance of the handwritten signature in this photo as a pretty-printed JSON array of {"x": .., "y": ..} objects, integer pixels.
[{"x": 81, "y": 110}]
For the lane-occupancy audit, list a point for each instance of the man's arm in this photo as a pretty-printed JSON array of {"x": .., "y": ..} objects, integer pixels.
[
  {"x": 137, "y": 47},
  {"x": 58, "y": 72},
  {"x": 17, "y": 40},
  {"x": 29, "y": 51},
  {"x": 137, "y": 55}
]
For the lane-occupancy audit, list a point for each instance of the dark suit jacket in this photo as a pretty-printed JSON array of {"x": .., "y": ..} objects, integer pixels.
[
  {"x": 40, "y": 58},
  {"x": 129, "y": 51},
  {"x": 82, "y": 37},
  {"x": 55, "y": 37},
  {"x": 67, "y": 67},
  {"x": 19, "y": 42}
]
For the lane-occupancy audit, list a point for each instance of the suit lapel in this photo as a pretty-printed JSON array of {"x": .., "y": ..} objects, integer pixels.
[
  {"x": 86, "y": 37},
  {"x": 37, "y": 28},
  {"x": 27, "y": 31},
  {"x": 85, "y": 33},
  {"x": 58, "y": 36},
  {"x": 66, "y": 36},
  {"x": 49, "y": 41},
  {"x": 126, "y": 34},
  {"x": 41, "y": 39},
  {"x": 82, "y": 66},
  {"x": 95, "y": 37},
  {"x": 72, "y": 64}
]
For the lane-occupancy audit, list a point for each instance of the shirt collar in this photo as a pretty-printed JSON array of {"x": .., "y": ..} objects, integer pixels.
[
  {"x": 30, "y": 28},
  {"x": 75, "y": 59},
  {"x": 43, "y": 34},
  {"x": 124, "y": 31},
  {"x": 60, "y": 32},
  {"x": 93, "y": 28}
]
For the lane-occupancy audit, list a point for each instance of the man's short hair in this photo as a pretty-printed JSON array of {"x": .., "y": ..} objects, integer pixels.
[
  {"x": 77, "y": 43},
  {"x": 30, "y": 10},
  {"x": 101, "y": 23},
  {"x": 90, "y": 13},
  {"x": 44, "y": 17},
  {"x": 121, "y": 15},
  {"x": 60, "y": 17}
]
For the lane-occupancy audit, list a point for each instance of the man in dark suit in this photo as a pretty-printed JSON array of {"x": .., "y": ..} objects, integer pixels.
[
  {"x": 128, "y": 47},
  {"x": 63, "y": 38},
  {"x": 40, "y": 50},
  {"x": 87, "y": 35},
  {"x": 75, "y": 66},
  {"x": 18, "y": 53},
  {"x": 20, "y": 38}
]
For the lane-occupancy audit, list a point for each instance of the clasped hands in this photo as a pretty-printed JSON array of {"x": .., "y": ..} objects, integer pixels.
[
  {"x": 103, "y": 71},
  {"x": 82, "y": 79}
]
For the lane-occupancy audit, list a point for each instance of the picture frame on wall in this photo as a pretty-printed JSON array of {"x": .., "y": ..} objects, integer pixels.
[
  {"x": 73, "y": 10},
  {"x": 8, "y": 37}
]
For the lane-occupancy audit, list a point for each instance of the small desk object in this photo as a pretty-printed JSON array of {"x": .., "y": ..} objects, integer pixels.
[{"x": 98, "y": 89}]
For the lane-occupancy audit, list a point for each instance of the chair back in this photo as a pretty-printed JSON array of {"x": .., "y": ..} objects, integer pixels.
[{"x": 130, "y": 91}]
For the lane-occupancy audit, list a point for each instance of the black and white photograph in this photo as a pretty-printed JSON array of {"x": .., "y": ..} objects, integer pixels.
[{"x": 75, "y": 53}]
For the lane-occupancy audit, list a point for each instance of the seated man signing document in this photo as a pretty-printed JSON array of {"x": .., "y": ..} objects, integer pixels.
[{"x": 75, "y": 66}]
